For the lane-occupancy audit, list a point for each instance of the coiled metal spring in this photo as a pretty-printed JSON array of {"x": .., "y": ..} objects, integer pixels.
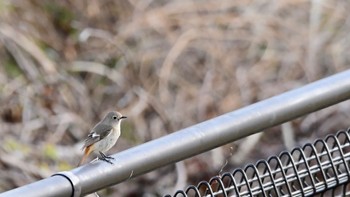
[{"x": 313, "y": 169}]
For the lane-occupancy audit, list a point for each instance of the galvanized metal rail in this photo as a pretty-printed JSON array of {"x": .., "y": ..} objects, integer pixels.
[{"x": 192, "y": 140}]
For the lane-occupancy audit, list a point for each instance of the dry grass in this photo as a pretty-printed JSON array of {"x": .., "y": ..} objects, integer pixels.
[{"x": 166, "y": 65}]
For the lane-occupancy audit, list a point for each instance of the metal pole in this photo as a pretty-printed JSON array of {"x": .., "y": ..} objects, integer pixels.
[
  {"x": 199, "y": 138},
  {"x": 56, "y": 186}
]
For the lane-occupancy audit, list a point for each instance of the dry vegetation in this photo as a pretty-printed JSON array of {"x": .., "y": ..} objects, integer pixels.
[{"x": 164, "y": 64}]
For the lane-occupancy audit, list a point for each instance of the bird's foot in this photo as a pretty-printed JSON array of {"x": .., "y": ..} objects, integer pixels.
[{"x": 105, "y": 158}]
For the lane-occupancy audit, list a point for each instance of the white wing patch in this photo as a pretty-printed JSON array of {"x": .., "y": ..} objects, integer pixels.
[{"x": 94, "y": 135}]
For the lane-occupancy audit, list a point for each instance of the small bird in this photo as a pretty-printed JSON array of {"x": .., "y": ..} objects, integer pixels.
[{"x": 103, "y": 136}]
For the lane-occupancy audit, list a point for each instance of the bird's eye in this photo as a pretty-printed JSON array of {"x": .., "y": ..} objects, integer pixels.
[{"x": 115, "y": 117}]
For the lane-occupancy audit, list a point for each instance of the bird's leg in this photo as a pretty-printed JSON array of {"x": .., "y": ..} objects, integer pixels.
[{"x": 105, "y": 158}]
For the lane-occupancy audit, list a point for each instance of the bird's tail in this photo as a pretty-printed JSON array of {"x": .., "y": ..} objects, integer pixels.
[{"x": 87, "y": 151}]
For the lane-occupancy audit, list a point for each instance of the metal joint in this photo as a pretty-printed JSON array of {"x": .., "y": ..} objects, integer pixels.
[{"x": 74, "y": 181}]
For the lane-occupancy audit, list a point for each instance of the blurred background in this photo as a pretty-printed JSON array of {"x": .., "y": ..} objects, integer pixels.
[{"x": 166, "y": 65}]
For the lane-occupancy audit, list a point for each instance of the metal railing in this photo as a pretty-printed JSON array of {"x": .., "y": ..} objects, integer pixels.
[
  {"x": 192, "y": 140},
  {"x": 306, "y": 171}
]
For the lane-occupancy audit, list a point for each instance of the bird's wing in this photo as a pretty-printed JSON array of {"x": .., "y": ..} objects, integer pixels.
[{"x": 99, "y": 132}]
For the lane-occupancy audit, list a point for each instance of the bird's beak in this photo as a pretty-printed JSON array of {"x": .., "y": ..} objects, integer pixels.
[{"x": 123, "y": 117}]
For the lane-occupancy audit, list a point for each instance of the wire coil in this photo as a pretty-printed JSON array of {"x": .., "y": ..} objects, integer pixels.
[{"x": 313, "y": 169}]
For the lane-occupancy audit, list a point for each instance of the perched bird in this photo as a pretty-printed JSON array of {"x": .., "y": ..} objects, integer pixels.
[{"x": 103, "y": 136}]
